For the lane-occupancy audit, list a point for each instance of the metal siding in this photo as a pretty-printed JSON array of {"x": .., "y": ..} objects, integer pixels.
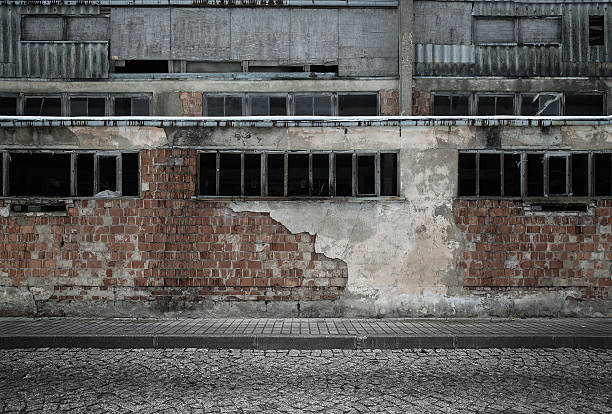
[
  {"x": 442, "y": 23},
  {"x": 42, "y": 28},
  {"x": 539, "y": 30},
  {"x": 64, "y": 60},
  {"x": 140, "y": 33},
  {"x": 88, "y": 28},
  {"x": 314, "y": 35},
  {"x": 524, "y": 61},
  {"x": 368, "y": 42},
  {"x": 9, "y": 35},
  {"x": 493, "y": 30},
  {"x": 199, "y": 34},
  {"x": 260, "y": 34},
  {"x": 57, "y": 9}
]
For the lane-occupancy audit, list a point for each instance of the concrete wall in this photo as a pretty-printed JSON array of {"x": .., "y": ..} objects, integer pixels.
[{"x": 398, "y": 257}]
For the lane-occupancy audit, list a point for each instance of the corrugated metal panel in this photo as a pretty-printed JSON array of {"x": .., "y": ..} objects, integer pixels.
[
  {"x": 428, "y": 53},
  {"x": 9, "y": 34},
  {"x": 140, "y": 33},
  {"x": 508, "y": 8},
  {"x": 41, "y": 8},
  {"x": 576, "y": 33},
  {"x": 442, "y": 22},
  {"x": 518, "y": 61},
  {"x": 64, "y": 60}
]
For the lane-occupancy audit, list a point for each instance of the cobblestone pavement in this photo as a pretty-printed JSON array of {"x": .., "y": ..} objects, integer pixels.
[{"x": 333, "y": 381}]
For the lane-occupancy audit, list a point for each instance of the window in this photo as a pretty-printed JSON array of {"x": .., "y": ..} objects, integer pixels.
[
  {"x": 298, "y": 174},
  {"x": 451, "y": 104},
  {"x": 8, "y": 105},
  {"x": 596, "y": 30},
  {"x": 87, "y": 106},
  {"x": 495, "y": 104},
  {"x": 584, "y": 104},
  {"x": 140, "y": 66},
  {"x": 542, "y": 104},
  {"x": 517, "y": 30},
  {"x": 131, "y": 105},
  {"x": 223, "y": 105},
  {"x": 357, "y": 104},
  {"x": 534, "y": 174},
  {"x": 58, "y": 28},
  {"x": 309, "y": 105},
  {"x": 71, "y": 174},
  {"x": 268, "y": 105},
  {"x": 43, "y": 106}
]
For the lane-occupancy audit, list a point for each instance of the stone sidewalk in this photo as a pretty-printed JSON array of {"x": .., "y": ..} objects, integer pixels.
[{"x": 306, "y": 333}]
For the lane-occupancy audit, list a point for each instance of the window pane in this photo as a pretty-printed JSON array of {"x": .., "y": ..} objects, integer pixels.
[
  {"x": 96, "y": 107},
  {"x": 388, "y": 174},
  {"x": 233, "y": 106},
  {"x": 460, "y": 105},
  {"x": 535, "y": 175},
  {"x": 276, "y": 175},
  {"x": 123, "y": 106},
  {"x": 490, "y": 175},
  {"x": 43, "y": 106},
  {"x": 322, "y": 106},
  {"x": 85, "y": 175},
  {"x": 578, "y": 105},
  {"x": 129, "y": 174},
  {"x": 596, "y": 30},
  {"x": 45, "y": 175},
  {"x": 259, "y": 105},
  {"x": 602, "y": 174},
  {"x": 303, "y": 105},
  {"x": 252, "y": 174},
  {"x": 208, "y": 173},
  {"x": 486, "y": 105},
  {"x": 298, "y": 174},
  {"x": 550, "y": 105},
  {"x": 344, "y": 174},
  {"x": 357, "y": 105},
  {"x": 505, "y": 105},
  {"x": 215, "y": 106},
  {"x": 441, "y": 105},
  {"x": 512, "y": 175},
  {"x": 320, "y": 175},
  {"x": 530, "y": 105},
  {"x": 467, "y": 174},
  {"x": 107, "y": 167},
  {"x": 229, "y": 174},
  {"x": 8, "y": 105},
  {"x": 140, "y": 107},
  {"x": 366, "y": 174},
  {"x": 78, "y": 106},
  {"x": 580, "y": 175},
  {"x": 278, "y": 105},
  {"x": 557, "y": 175}
]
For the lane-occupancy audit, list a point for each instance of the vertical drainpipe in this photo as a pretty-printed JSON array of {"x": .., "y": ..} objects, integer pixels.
[{"x": 406, "y": 53}]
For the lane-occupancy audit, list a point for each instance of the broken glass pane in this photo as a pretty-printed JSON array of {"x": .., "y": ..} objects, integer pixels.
[
  {"x": 557, "y": 175},
  {"x": 580, "y": 175},
  {"x": 45, "y": 175},
  {"x": 467, "y": 174},
  {"x": 85, "y": 175},
  {"x": 490, "y": 175},
  {"x": 208, "y": 173}
]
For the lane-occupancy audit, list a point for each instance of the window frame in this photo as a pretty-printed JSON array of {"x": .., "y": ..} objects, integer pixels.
[
  {"x": 107, "y": 104},
  {"x": 18, "y": 99},
  {"x": 206, "y": 95},
  {"x": 516, "y": 20},
  {"x": 479, "y": 95},
  {"x": 25, "y": 96},
  {"x": 147, "y": 96},
  {"x": 452, "y": 94},
  {"x": 351, "y": 93},
  {"x": 333, "y": 101},
  {"x": 249, "y": 101},
  {"x": 560, "y": 95}
]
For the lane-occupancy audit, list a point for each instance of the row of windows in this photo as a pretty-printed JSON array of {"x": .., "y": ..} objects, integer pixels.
[
  {"x": 300, "y": 104},
  {"x": 69, "y": 174},
  {"x": 298, "y": 174},
  {"x": 535, "y": 174},
  {"x": 527, "y": 104},
  {"x": 75, "y": 105}
]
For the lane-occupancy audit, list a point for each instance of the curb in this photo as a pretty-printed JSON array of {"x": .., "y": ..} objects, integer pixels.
[{"x": 303, "y": 342}]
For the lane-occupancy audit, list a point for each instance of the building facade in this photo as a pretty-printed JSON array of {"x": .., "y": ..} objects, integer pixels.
[{"x": 160, "y": 207}]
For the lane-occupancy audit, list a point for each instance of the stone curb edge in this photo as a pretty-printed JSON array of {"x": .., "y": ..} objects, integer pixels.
[{"x": 303, "y": 342}]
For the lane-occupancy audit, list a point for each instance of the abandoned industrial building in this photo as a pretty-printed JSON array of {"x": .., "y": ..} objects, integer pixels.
[{"x": 293, "y": 158}]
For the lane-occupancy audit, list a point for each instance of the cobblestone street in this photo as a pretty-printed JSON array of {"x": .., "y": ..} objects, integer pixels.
[{"x": 195, "y": 380}]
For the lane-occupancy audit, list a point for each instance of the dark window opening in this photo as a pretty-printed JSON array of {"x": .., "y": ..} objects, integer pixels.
[
  {"x": 366, "y": 175},
  {"x": 129, "y": 106},
  {"x": 298, "y": 182},
  {"x": 44, "y": 174},
  {"x": 580, "y": 175},
  {"x": 129, "y": 174},
  {"x": 229, "y": 174},
  {"x": 142, "y": 66},
  {"x": 535, "y": 175},
  {"x": 602, "y": 174},
  {"x": 35, "y": 208},
  {"x": 358, "y": 105},
  {"x": 560, "y": 207},
  {"x": 578, "y": 105},
  {"x": 541, "y": 105},
  {"x": 490, "y": 175},
  {"x": 495, "y": 105},
  {"x": 308, "y": 105},
  {"x": 268, "y": 105},
  {"x": 324, "y": 68},
  {"x": 512, "y": 175},
  {"x": 8, "y": 105},
  {"x": 276, "y": 175},
  {"x": 87, "y": 106},
  {"x": 344, "y": 175},
  {"x": 85, "y": 175},
  {"x": 467, "y": 174},
  {"x": 252, "y": 174},
  {"x": 388, "y": 174},
  {"x": 276, "y": 69},
  {"x": 208, "y": 174},
  {"x": 451, "y": 105},
  {"x": 43, "y": 106},
  {"x": 224, "y": 105},
  {"x": 596, "y": 30},
  {"x": 320, "y": 175},
  {"x": 557, "y": 175},
  {"x": 107, "y": 173}
]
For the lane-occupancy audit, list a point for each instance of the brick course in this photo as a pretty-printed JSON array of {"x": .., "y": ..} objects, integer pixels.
[
  {"x": 389, "y": 102},
  {"x": 164, "y": 245},
  {"x": 509, "y": 248},
  {"x": 421, "y": 103},
  {"x": 192, "y": 103}
]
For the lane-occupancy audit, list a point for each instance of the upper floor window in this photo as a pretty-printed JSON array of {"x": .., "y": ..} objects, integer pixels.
[
  {"x": 42, "y": 106},
  {"x": 495, "y": 104},
  {"x": 223, "y": 105},
  {"x": 541, "y": 104},
  {"x": 87, "y": 106},
  {"x": 313, "y": 104},
  {"x": 131, "y": 105},
  {"x": 517, "y": 30},
  {"x": 596, "y": 30},
  {"x": 268, "y": 105},
  {"x": 8, "y": 105},
  {"x": 451, "y": 104}
]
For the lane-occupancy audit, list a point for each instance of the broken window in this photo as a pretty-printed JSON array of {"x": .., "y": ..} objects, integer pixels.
[
  {"x": 39, "y": 174},
  {"x": 512, "y": 175},
  {"x": 495, "y": 105},
  {"x": 580, "y": 174},
  {"x": 584, "y": 104},
  {"x": 344, "y": 175},
  {"x": 320, "y": 175},
  {"x": 467, "y": 174},
  {"x": 596, "y": 30},
  {"x": 85, "y": 175},
  {"x": 388, "y": 174},
  {"x": 42, "y": 106},
  {"x": 357, "y": 104},
  {"x": 87, "y": 106},
  {"x": 602, "y": 174},
  {"x": 208, "y": 173},
  {"x": 262, "y": 105},
  {"x": 107, "y": 173},
  {"x": 489, "y": 183},
  {"x": 557, "y": 175},
  {"x": 451, "y": 105},
  {"x": 229, "y": 174},
  {"x": 8, "y": 105},
  {"x": 252, "y": 174},
  {"x": 309, "y": 105},
  {"x": 131, "y": 106},
  {"x": 130, "y": 179},
  {"x": 541, "y": 104},
  {"x": 223, "y": 105}
]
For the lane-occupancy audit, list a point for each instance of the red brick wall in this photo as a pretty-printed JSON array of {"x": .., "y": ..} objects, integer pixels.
[
  {"x": 509, "y": 248},
  {"x": 192, "y": 103},
  {"x": 389, "y": 102},
  {"x": 165, "y": 245},
  {"x": 421, "y": 103}
]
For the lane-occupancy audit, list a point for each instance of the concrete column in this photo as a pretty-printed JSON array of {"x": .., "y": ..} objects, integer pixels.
[{"x": 406, "y": 53}]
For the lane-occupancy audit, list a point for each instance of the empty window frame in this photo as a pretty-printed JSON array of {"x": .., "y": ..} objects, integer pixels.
[
  {"x": 131, "y": 105},
  {"x": 69, "y": 174},
  {"x": 313, "y": 105},
  {"x": 449, "y": 104},
  {"x": 223, "y": 105},
  {"x": 489, "y": 104},
  {"x": 541, "y": 104},
  {"x": 596, "y": 30},
  {"x": 298, "y": 174},
  {"x": 8, "y": 105},
  {"x": 584, "y": 104},
  {"x": 42, "y": 106},
  {"x": 87, "y": 106},
  {"x": 357, "y": 104},
  {"x": 534, "y": 174},
  {"x": 268, "y": 105}
]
